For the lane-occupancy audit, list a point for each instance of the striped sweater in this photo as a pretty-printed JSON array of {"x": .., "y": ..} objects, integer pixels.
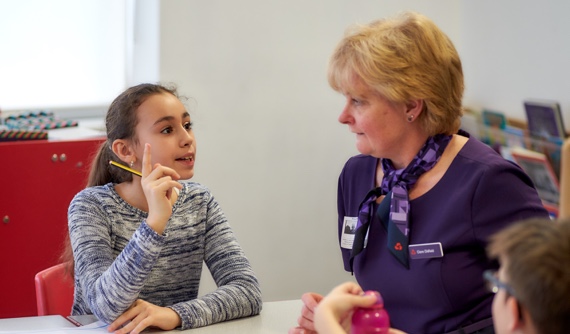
[{"x": 119, "y": 258}]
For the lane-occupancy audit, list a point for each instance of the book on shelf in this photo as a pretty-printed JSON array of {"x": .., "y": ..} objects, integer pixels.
[
  {"x": 515, "y": 137},
  {"x": 494, "y": 122},
  {"x": 494, "y": 119},
  {"x": 544, "y": 119},
  {"x": 538, "y": 167}
]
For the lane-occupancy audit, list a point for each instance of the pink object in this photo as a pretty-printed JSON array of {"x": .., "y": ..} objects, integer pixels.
[
  {"x": 54, "y": 291},
  {"x": 373, "y": 319}
]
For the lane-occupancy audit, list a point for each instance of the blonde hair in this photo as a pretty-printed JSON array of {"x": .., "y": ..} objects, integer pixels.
[{"x": 403, "y": 58}]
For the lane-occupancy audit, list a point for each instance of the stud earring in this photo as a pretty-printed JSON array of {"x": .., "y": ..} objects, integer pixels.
[
  {"x": 410, "y": 118},
  {"x": 132, "y": 164}
]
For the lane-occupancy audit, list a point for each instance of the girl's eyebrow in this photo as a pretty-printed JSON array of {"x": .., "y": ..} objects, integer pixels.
[{"x": 170, "y": 118}]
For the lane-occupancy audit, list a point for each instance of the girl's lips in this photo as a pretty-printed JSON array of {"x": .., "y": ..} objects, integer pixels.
[
  {"x": 187, "y": 156},
  {"x": 189, "y": 161}
]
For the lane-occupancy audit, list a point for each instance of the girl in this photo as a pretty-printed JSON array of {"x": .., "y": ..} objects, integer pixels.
[{"x": 138, "y": 243}]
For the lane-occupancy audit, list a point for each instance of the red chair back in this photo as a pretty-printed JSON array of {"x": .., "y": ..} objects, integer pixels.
[{"x": 54, "y": 291}]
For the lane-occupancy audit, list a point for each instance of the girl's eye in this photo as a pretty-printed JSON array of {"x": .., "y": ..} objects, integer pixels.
[
  {"x": 166, "y": 130},
  {"x": 188, "y": 125}
]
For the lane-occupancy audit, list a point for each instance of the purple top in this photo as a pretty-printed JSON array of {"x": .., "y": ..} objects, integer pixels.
[{"x": 479, "y": 194}]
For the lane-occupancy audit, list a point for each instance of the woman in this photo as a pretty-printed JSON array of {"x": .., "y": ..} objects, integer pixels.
[{"x": 442, "y": 193}]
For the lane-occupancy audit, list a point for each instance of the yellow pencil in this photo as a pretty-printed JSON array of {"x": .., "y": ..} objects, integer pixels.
[{"x": 116, "y": 164}]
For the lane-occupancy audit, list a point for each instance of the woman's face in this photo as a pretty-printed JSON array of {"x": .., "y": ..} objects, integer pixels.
[{"x": 379, "y": 124}]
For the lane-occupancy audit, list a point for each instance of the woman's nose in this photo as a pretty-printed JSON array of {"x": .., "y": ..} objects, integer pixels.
[{"x": 345, "y": 117}]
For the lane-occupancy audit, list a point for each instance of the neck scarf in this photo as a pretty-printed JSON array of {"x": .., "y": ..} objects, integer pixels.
[{"x": 396, "y": 184}]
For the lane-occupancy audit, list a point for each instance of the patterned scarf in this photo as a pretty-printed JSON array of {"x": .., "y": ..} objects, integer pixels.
[{"x": 396, "y": 184}]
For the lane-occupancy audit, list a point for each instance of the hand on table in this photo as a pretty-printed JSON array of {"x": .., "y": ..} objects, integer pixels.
[
  {"x": 332, "y": 314},
  {"x": 305, "y": 321},
  {"x": 143, "y": 314}
]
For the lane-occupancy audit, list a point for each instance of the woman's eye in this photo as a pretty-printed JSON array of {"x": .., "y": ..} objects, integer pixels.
[
  {"x": 188, "y": 126},
  {"x": 356, "y": 102}
]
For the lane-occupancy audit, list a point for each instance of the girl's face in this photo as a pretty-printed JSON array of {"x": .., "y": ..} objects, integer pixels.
[
  {"x": 379, "y": 124},
  {"x": 164, "y": 123}
]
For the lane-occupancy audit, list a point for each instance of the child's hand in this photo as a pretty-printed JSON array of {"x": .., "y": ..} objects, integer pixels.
[
  {"x": 333, "y": 313},
  {"x": 158, "y": 183},
  {"x": 143, "y": 314},
  {"x": 305, "y": 320}
]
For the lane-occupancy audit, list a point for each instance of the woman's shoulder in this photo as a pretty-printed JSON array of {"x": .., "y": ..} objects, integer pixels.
[
  {"x": 361, "y": 158},
  {"x": 359, "y": 173},
  {"x": 480, "y": 161},
  {"x": 476, "y": 151},
  {"x": 360, "y": 161}
]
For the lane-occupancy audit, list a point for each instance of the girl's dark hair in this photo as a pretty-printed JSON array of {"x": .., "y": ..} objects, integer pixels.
[{"x": 120, "y": 123}]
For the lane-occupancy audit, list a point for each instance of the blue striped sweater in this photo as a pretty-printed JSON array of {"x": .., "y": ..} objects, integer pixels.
[{"x": 119, "y": 258}]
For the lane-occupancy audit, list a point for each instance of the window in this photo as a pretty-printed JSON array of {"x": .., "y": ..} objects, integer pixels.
[{"x": 62, "y": 53}]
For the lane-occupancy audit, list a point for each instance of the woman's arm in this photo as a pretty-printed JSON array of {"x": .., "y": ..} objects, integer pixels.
[{"x": 504, "y": 195}]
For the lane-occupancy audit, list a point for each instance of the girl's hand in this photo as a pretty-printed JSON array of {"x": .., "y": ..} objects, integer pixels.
[
  {"x": 143, "y": 314},
  {"x": 158, "y": 183}
]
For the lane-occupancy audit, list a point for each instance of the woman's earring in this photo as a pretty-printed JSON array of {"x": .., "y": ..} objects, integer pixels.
[
  {"x": 410, "y": 118},
  {"x": 132, "y": 163}
]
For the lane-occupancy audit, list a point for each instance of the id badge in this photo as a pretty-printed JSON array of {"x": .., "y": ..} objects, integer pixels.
[
  {"x": 425, "y": 251},
  {"x": 348, "y": 231}
]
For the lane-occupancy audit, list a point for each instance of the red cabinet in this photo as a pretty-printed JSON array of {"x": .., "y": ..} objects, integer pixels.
[{"x": 39, "y": 179}]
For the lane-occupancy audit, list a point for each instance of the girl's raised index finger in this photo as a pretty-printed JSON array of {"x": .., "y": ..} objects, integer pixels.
[{"x": 146, "y": 163}]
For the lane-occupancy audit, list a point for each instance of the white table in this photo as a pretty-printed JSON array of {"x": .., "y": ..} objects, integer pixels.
[
  {"x": 34, "y": 323},
  {"x": 276, "y": 317}
]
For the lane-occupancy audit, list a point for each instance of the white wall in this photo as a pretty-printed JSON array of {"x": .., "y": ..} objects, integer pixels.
[
  {"x": 269, "y": 145},
  {"x": 514, "y": 50}
]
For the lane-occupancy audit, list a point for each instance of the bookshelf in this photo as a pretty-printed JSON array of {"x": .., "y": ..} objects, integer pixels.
[{"x": 539, "y": 156}]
